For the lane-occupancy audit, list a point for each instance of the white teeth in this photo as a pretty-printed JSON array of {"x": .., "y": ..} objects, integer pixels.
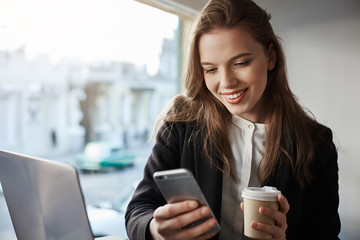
[{"x": 233, "y": 96}]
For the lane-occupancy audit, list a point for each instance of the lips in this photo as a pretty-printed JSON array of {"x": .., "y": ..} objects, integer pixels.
[{"x": 235, "y": 97}]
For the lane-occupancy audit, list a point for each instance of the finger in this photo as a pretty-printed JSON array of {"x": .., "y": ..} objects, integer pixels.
[
  {"x": 277, "y": 216},
  {"x": 174, "y": 228},
  {"x": 173, "y": 209},
  {"x": 274, "y": 231},
  {"x": 284, "y": 204},
  {"x": 186, "y": 219},
  {"x": 242, "y": 206},
  {"x": 200, "y": 231}
]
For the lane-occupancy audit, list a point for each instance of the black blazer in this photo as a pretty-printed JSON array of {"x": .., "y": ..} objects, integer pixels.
[{"x": 313, "y": 209}]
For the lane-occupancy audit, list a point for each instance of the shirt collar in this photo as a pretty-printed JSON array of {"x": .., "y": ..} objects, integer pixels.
[{"x": 246, "y": 124}]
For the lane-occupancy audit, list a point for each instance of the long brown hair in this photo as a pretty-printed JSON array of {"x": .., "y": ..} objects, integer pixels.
[{"x": 286, "y": 122}]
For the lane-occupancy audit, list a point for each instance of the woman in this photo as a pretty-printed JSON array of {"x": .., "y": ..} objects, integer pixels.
[{"x": 239, "y": 125}]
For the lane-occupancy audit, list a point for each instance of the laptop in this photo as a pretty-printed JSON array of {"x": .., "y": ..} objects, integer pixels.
[{"x": 44, "y": 199}]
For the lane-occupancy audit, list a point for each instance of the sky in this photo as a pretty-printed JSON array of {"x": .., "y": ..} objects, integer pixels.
[{"x": 123, "y": 30}]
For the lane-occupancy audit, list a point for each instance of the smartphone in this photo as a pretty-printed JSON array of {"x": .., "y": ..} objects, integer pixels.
[{"x": 178, "y": 185}]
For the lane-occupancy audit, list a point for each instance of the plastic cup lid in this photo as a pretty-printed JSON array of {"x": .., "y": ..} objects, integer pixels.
[{"x": 265, "y": 193}]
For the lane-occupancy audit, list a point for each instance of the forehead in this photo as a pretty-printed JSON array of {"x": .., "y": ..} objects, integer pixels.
[{"x": 230, "y": 41}]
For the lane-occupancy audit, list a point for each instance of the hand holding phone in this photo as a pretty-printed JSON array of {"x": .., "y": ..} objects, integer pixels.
[{"x": 180, "y": 185}]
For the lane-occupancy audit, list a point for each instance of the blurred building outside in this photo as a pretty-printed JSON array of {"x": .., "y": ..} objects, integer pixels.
[{"x": 52, "y": 109}]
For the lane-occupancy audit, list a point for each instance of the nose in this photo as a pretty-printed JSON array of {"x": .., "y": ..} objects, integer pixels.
[{"x": 228, "y": 78}]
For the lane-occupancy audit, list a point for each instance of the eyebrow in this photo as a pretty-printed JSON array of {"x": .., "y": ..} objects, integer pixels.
[{"x": 230, "y": 60}]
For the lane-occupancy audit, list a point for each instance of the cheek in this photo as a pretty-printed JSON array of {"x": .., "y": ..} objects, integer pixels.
[
  {"x": 211, "y": 85},
  {"x": 260, "y": 77},
  {"x": 260, "y": 85}
]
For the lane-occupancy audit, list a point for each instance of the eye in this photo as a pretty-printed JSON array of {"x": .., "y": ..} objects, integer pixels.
[
  {"x": 210, "y": 70},
  {"x": 242, "y": 63}
]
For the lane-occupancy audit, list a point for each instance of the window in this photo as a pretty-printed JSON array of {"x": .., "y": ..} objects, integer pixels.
[{"x": 80, "y": 72}]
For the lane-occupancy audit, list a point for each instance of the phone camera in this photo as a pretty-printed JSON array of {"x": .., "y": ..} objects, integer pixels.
[{"x": 161, "y": 177}]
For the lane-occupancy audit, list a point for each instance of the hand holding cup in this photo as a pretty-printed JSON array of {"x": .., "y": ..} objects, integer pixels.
[{"x": 264, "y": 213}]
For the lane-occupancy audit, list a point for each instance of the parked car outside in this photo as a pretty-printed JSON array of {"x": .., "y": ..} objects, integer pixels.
[{"x": 100, "y": 155}]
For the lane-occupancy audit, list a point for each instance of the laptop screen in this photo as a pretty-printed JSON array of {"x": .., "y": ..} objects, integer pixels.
[{"x": 44, "y": 198}]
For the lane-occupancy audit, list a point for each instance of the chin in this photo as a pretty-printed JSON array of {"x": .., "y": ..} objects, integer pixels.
[{"x": 237, "y": 112}]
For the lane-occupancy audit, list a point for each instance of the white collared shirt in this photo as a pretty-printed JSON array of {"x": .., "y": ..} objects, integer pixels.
[{"x": 247, "y": 142}]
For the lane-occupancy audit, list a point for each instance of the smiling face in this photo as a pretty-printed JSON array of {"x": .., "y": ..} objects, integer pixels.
[{"x": 235, "y": 70}]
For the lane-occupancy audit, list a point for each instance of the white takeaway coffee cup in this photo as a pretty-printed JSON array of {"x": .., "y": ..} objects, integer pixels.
[{"x": 254, "y": 198}]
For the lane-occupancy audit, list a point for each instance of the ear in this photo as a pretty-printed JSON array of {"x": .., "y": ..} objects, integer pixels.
[{"x": 271, "y": 56}]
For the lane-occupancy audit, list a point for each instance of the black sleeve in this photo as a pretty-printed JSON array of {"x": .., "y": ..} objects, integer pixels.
[{"x": 165, "y": 155}]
